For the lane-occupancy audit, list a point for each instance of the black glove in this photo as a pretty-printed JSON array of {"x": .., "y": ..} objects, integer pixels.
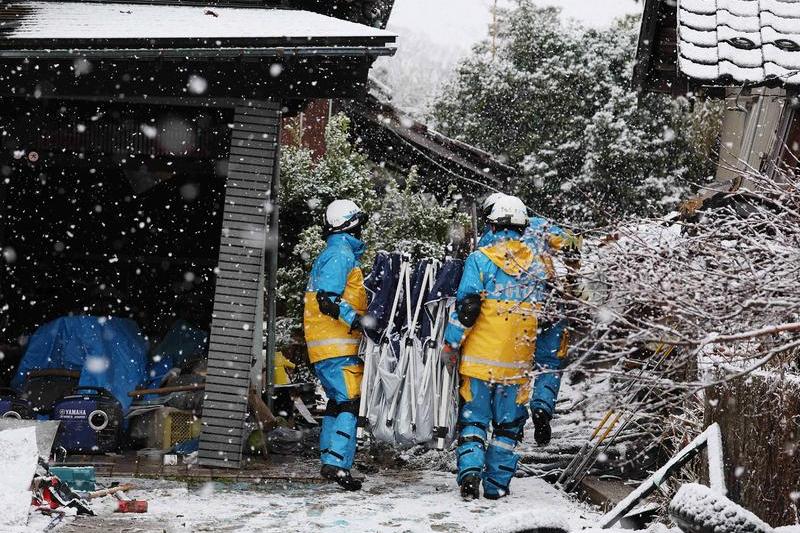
[
  {"x": 541, "y": 426},
  {"x": 326, "y": 306},
  {"x": 469, "y": 309},
  {"x": 357, "y": 324}
]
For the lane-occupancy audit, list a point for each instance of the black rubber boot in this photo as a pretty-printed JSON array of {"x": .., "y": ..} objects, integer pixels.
[
  {"x": 541, "y": 427},
  {"x": 471, "y": 487},
  {"x": 341, "y": 476}
]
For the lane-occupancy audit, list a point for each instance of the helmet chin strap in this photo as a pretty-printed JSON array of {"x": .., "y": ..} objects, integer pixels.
[{"x": 355, "y": 232}]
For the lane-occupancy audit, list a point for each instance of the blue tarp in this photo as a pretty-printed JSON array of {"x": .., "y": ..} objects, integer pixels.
[
  {"x": 186, "y": 447},
  {"x": 381, "y": 285},
  {"x": 445, "y": 286},
  {"x": 109, "y": 352},
  {"x": 181, "y": 342}
]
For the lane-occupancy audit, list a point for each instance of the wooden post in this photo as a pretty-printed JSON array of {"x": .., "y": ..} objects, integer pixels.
[{"x": 273, "y": 241}]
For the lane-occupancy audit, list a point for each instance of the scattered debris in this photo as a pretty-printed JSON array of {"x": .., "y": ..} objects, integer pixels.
[
  {"x": 82, "y": 478},
  {"x": 699, "y": 509},
  {"x": 50, "y": 491},
  {"x": 285, "y": 441},
  {"x": 710, "y": 438},
  {"x": 111, "y": 491}
]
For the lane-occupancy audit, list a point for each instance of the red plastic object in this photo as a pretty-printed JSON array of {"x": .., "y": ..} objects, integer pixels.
[
  {"x": 132, "y": 506},
  {"x": 48, "y": 499}
]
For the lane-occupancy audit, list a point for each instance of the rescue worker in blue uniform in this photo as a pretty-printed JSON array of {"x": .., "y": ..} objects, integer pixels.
[
  {"x": 335, "y": 303},
  {"x": 552, "y": 343},
  {"x": 495, "y": 327}
]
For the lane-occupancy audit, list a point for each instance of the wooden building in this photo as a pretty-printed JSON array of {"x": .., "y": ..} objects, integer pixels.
[
  {"x": 746, "y": 52},
  {"x": 398, "y": 142},
  {"x": 138, "y": 165},
  {"x": 743, "y": 51}
]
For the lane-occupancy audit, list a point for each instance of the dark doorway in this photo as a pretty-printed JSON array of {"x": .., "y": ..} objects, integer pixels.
[{"x": 108, "y": 209}]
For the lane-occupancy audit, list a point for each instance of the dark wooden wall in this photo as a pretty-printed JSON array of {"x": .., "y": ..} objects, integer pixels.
[{"x": 760, "y": 420}]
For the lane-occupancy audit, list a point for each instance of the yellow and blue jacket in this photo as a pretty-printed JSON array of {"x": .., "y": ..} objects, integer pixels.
[
  {"x": 511, "y": 280},
  {"x": 337, "y": 273}
]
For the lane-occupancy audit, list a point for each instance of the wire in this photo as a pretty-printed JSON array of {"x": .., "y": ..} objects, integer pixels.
[{"x": 436, "y": 163}]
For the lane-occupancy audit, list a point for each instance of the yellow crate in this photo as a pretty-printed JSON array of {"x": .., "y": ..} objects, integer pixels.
[
  {"x": 164, "y": 427},
  {"x": 180, "y": 426}
]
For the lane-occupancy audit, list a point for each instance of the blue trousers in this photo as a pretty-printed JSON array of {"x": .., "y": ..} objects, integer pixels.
[
  {"x": 499, "y": 407},
  {"x": 341, "y": 379},
  {"x": 551, "y": 347}
]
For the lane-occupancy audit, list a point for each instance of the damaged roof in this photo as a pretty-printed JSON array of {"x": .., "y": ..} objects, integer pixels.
[
  {"x": 54, "y": 29},
  {"x": 395, "y": 138},
  {"x": 688, "y": 44}
]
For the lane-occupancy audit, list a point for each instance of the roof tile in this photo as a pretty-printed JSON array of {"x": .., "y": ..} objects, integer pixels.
[{"x": 739, "y": 40}]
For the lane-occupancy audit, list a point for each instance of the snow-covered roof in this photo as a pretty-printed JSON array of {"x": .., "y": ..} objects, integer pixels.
[
  {"x": 739, "y": 40},
  {"x": 29, "y": 22}
]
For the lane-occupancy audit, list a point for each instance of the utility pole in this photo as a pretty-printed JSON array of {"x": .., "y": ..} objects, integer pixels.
[{"x": 494, "y": 29}]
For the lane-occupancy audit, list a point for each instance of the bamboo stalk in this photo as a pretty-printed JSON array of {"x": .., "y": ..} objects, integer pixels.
[
  {"x": 113, "y": 490},
  {"x": 167, "y": 390}
]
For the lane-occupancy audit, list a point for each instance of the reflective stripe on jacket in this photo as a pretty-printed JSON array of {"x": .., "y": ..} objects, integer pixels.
[
  {"x": 336, "y": 273},
  {"x": 511, "y": 281}
]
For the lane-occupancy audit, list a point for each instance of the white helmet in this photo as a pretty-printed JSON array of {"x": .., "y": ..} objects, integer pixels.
[
  {"x": 489, "y": 201},
  {"x": 508, "y": 211},
  {"x": 343, "y": 216}
]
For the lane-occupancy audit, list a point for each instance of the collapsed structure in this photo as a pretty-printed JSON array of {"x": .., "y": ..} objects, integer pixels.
[{"x": 747, "y": 54}]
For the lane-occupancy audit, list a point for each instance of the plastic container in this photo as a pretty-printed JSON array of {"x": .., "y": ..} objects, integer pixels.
[{"x": 77, "y": 477}]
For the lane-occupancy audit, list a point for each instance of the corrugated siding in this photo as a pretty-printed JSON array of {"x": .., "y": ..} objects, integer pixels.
[{"x": 236, "y": 330}]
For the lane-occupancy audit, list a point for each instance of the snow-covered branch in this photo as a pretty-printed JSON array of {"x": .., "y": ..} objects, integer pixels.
[{"x": 723, "y": 278}]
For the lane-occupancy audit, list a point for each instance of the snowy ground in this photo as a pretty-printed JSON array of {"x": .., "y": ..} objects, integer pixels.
[
  {"x": 393, "y": 501},
  {"x": 579, "y": 409},
  {"x": 420, "y": 497}
]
